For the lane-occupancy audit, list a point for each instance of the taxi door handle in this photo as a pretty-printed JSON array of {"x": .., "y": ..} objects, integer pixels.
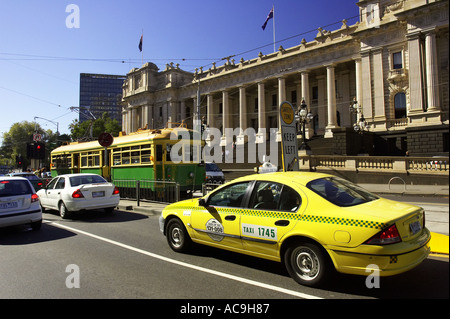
[
  {"x": 230, "y": 217},
  {"x": 282, "y": 222}
]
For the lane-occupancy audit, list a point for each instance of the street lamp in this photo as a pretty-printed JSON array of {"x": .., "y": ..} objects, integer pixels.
[
  {"x": 303, "y": 116},
  {"x": 361, "y": 124}
]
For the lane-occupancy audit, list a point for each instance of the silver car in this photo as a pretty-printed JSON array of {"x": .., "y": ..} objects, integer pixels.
[{"x": 19, "y": 204}]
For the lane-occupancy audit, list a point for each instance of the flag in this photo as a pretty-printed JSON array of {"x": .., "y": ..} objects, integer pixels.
[
  {"x": 140, "y": 43},
  {"x": 269, "y": 16}
]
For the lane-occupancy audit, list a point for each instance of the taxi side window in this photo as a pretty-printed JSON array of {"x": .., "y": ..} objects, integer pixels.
[
  {"x": 290, "y": 200},
  {"x": 230, "y": 196},
  {"x": 275, "y": 196},
  {"x": 266, "y": 195}
]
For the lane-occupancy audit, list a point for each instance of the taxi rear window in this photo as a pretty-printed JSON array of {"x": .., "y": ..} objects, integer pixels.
[{"x": 340, "y": 192}]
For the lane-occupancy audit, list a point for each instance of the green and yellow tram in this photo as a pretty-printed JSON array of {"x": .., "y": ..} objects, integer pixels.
[{"x": 144, "y": 156}]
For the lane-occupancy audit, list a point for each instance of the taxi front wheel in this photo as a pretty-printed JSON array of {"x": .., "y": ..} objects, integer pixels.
[
  {"x": 307, "y": 264},
  {"x": 177, "y": 236}
]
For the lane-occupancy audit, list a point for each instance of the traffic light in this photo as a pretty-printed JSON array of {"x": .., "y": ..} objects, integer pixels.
[
  {"x": 39, "y": 150},
  {"x": 36, "y": 150},
  {"x": 19, "y": 161}
]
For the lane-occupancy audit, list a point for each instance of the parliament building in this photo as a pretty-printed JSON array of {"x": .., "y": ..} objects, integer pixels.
[{"x": 381, "y": 82}]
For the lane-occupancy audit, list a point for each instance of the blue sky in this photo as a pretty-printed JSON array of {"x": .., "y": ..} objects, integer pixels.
[{"x": 41, "y": 58}]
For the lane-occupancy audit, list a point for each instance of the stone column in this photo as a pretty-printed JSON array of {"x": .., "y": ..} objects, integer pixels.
[
  {"x": 183, "y": 110},
  {"x": 432, "y": 72},
  {"x": 366, "y": 92},
  {"x": 242, "y": 115},
  {"x": 261, "y": 135},
  {"x": 331, "y": 106},
  {"x": 378, "y": 87},
  {"x": 305, "y": 95},
  {"x": 281, "y": 98},
  {"x": 225, "y": 118},
  {"x": 415, "y": 75},
  {"x": 210, "y": 110}
]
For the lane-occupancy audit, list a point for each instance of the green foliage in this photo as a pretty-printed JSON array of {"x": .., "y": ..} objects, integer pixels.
[{"x": 82, "y": 131}]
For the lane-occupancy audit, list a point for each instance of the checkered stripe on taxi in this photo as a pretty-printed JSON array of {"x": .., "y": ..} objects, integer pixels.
[{"x": 295, "y": 216}]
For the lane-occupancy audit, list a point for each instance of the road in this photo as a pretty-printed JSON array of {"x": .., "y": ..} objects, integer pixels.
[{"x": 124, "y": 255}]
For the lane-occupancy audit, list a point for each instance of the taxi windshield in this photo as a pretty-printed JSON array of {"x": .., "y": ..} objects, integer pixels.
[{"x": 340, "y": 192}]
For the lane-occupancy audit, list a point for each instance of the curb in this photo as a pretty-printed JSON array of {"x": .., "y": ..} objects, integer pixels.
[{"x": 439, "y": 244}]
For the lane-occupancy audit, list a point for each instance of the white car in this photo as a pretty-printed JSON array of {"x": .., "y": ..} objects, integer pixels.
[
  {"x": 78, "y": 192},
  {"x": 19, "y": 203}
]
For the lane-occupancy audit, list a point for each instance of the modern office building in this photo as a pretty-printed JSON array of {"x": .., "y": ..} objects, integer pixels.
[
  {"x": 383, "y": 80},
  {"x": 100, "y": 93}
]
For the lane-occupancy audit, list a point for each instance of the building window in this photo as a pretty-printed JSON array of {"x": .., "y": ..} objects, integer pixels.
[
  {"x": 400, "y": 105},
  {"x": 274, "y": 100},
  {"x": 397, "y": 60}
]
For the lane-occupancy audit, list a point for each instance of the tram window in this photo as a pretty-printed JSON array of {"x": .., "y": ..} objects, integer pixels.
[
  {"x": 135, "y": 157},
  {"x": 145, "y": 156},
  {"x": 116, "y": 159},
  {"x": 83, "y": 161},
  {"x": 96, "y": 160},
  {"x": 159, "y": 153},
  {"x": 168, "y": 150},
  {"x": 125, "y": 158}
]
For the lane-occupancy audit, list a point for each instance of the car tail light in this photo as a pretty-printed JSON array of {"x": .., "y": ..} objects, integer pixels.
[
  {"x": 386, "y": 237},
  {"x": 77, "y": 194},
  {"x": 34, "y": 198},
  {"x": 116, "y": 190}
]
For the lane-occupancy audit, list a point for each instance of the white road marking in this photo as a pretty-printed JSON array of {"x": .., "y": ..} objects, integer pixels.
[{"x": 183, "y": 264}]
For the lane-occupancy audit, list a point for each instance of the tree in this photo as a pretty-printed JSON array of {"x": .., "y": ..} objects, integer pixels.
[
  {"x": 15, "y": 141},
  {"x": 82, "y": 131}
]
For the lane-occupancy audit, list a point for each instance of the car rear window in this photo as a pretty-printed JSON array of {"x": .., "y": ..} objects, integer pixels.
[
  {"x": 340, "y": 192},
  {"x": 86, "y": 179},
  {"x": 14, "y": 187}
]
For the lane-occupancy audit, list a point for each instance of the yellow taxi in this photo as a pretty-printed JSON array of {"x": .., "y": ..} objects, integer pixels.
[{"x": 313, "y": 223}]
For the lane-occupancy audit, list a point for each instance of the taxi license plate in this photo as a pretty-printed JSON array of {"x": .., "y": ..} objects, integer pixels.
[
  {"x": 8, "y": 205},
  {"x": 415, "y": 227},
  {"x": 98, "y": 194}
]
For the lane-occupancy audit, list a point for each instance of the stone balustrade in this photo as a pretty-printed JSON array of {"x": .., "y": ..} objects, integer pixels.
[{"x": 414, "y": 170}]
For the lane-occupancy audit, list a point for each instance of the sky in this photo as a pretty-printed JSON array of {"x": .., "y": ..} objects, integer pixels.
[{"x": 46, "y": 44}]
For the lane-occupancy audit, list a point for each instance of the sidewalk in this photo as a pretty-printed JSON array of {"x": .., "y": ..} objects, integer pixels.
[{"x": 437, "y": 221}]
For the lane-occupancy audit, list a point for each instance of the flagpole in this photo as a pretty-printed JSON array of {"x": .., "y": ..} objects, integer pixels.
[
  {"x": 142, "y": 52},
  {"x": 273, "y": 8}
]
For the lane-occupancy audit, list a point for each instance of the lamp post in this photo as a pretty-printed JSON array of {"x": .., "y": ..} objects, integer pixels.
[
  {"x": 361, "y": 124},
  {"x": 303, "y": 116}
]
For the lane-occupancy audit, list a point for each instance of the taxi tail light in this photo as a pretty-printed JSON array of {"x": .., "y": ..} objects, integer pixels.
[
  {"x": 116, "y": 190},
  {"x": 385, "y": 237},
  {"x": 34, "y": 198},
  {"x": 77, "y": 194}
]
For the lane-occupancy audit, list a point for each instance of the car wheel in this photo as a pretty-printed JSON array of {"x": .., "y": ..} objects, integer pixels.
[
  {"x": 63, "y": 212},
  {"x": 177, "y": 236},
  {"x": 307, "y": 264}
]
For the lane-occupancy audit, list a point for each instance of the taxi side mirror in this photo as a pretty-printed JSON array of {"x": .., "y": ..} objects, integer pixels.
[{"x": 202, "y": 202}]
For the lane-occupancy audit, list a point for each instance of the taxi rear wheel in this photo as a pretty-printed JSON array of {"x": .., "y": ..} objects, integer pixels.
[
  {"x": 177, "y": 236},
  {"x": 307, "y": 264}
]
